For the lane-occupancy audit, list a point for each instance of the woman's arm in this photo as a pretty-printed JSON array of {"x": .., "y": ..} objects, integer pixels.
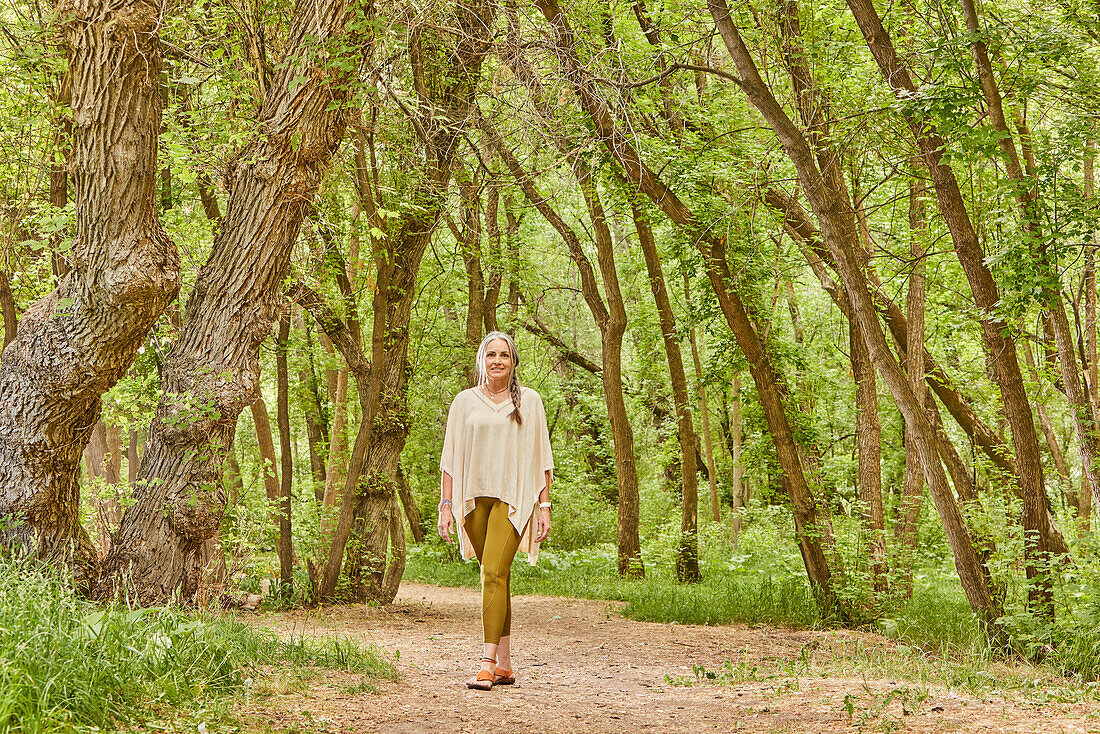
[
  {"x": 446, "y": 524},
  {"x": 544, "y": 512}
]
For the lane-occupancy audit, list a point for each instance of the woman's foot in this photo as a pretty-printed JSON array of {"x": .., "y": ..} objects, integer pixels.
[
  {"x": 485, "y": 677},
  {"x": 503, "y": 677}
]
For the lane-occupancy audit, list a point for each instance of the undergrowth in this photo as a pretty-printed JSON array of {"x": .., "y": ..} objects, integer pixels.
[{"x": 69, "y": 665}]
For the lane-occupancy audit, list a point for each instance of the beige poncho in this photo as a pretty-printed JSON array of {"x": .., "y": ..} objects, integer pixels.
[{"x": 488, "y": 455}]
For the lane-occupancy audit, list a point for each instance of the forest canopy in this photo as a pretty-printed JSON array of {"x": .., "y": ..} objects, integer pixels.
[{"x": 827, "y": 268}]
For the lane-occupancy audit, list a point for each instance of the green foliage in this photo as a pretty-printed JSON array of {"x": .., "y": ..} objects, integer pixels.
[{"x": 67, "y": 664}]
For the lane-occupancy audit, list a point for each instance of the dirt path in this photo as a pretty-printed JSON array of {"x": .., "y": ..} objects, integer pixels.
[{"x": 583, "y": 668}]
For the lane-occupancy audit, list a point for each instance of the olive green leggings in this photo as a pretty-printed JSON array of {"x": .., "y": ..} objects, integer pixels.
[{"x": 495, "y": 541}]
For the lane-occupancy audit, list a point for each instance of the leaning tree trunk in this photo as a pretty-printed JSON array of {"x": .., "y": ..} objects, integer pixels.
[
  {"x": 212, "y": 371},
  {"x": 368, "y": 496},
  {"x": 957, "y": 404},
  {"x": 912, "y": 489},
  {"x": 75, "y": 343},
  {"x": 837, "y": 219},
  {"x": 687, "y": 554},
  {"x": 999, "y": 343}
]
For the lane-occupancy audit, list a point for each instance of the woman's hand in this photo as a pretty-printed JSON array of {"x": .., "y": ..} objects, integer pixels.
[
  {"x": 446, "y": 524},
  {"x": 544, "y": 524}
]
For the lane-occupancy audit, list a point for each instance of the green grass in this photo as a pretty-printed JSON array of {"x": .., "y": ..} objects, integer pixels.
[
  {"x": 722, "y": 598},
  {"x": 69, "y": 665}
]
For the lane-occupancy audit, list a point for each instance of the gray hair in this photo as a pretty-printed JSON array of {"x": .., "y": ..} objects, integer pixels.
[{"x": 513, "y": 382}]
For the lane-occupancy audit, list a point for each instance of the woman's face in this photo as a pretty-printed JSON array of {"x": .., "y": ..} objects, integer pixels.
[{"x": 498, "y": 360}]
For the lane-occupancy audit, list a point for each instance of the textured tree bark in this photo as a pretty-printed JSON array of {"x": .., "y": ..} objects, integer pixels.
[
  {"x": 469, "y": 242},
  {"x": 269, "y": 462},
  {"x": 704, "y": 408},
  {"x": 75, "y": 343},
  {"x": 812, "y": 528},
  {"x": 731, "y": 427},
  {"x": 612, "y": 329},
  {"x": 408, "y": 503},
  {"x": 211, "y": 372},
  {"x": 133, "y": 455},
  {"x": 1085, "y": 500},
  {"x": 999, "y": 343},
  {"x": 687, "y": 555},
  {"x": 316, "y": 427},
  {"x": 7, "y": 308},
  {"x": 829, "y": 198},
  {"x": 286, "y": 462},
  {"x": 368, "y": 496},
  {"x": 912, "y": 489}
]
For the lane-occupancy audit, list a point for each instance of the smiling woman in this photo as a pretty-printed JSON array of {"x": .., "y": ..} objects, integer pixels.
[{"x": 496, "y": 466}]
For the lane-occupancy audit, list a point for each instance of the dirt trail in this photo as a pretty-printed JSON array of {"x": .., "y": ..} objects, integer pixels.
[{"x": 583, "y": 668}]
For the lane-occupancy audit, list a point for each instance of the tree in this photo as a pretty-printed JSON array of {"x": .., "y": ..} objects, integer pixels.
[
  {"x": 446, "y": 89},
  {"x": 75, "y": 343},
  {"x": 211, "y": 372}
]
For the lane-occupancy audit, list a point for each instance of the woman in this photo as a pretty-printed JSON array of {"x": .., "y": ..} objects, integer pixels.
[{"x": 496, "y": 473}]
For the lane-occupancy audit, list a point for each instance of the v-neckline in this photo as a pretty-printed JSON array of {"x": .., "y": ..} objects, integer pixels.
[{"x": 489, "y": 401}]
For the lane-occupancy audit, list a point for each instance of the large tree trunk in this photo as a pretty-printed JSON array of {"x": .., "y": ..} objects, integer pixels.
[
  {"x": 812, "y": 528},
  {"x": 829, "y": 198},
  {"x": 211, "y": 373},
  {"x": 75, "y": 343},
  {"x": 687, "y": 556},
  {"x": 369, "y": 488},
  {"x": 999, "y": 343}
]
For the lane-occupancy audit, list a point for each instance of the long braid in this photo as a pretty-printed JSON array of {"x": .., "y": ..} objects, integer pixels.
[{"x": 513, "y": 388}]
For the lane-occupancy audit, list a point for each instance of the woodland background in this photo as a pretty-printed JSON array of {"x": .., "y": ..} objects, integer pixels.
[{"x": 808, "y": 291}]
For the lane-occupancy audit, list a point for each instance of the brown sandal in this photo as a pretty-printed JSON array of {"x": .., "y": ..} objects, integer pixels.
[
  {"x": 503, "y": 677},
  {"x": 485, "y": 678}
]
